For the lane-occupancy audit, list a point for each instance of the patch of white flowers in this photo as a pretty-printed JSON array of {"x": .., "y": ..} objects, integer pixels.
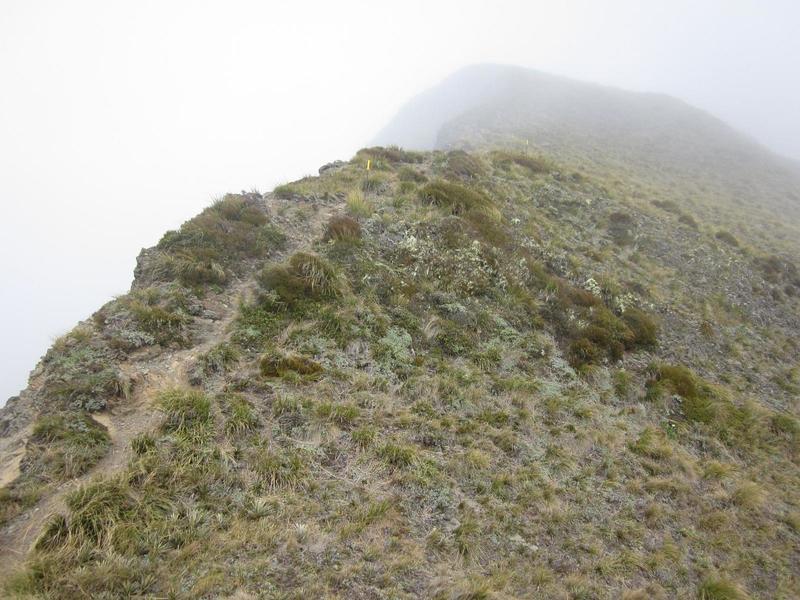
[
  {"x": 591, "y": 286},
  {"x": 409, "y": 243},
  {"x": 622, "y": 303},
  {"x": 464, "y": 268}
]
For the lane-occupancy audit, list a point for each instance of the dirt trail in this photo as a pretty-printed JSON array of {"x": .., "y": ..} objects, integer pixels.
[
  {"x": 138, "y": 414},
  {"x": 10, "y": 469},
  {"x": 124, "y": 422}
]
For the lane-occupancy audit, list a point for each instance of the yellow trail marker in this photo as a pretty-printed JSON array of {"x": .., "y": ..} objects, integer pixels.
[{"x": 369, "y": 162}]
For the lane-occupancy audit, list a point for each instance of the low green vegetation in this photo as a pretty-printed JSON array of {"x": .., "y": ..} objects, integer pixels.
[
  {"x": 222, "y": 358},
  {"x": 715, "y": 588},
  {"x": 342, "y": 229},
  {"x": 466, "y": 386},
  {"x": 744, "y": 427},
  {"x": 462, "y": 166},
  {"x": 81, "y": 373},
  {"x": 148, "y": 316},
  {"x": 386, "y": 157},
  {"x": 532, "y": 165},
  {"x": 358, "y": 205},
  {"x": 276, "y": 364},
  {"x": 727, "y": 237},
  {"x": 61, "y": 447},
  {"x": 240, "y": 415},
  {"x": 208, "y": 248},
  {"x": 621, "y": 228},
  {"x": 304, "y": 276},
  {"x": 411, "y": 175},
  {"x": 458, "y": 199}
]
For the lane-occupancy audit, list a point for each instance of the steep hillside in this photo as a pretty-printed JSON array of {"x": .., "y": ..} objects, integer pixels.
[{"x": 453, "y": 376}]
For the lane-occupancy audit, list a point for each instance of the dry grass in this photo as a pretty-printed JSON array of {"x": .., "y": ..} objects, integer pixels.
[{"x": 398, "y": 417}]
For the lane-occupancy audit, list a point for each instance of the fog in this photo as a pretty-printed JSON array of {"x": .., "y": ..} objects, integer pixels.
[{"x": 119, "y": 120}]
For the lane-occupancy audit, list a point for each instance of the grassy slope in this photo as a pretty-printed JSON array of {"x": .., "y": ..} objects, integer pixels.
[
  {"x": 643, "y": 145},
  {"x": 456, "y": 394}
]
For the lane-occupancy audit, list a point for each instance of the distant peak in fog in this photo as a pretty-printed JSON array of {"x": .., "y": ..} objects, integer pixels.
[
  {"x": 418, "y": 123},
  {"x": 660, "y": 138}
]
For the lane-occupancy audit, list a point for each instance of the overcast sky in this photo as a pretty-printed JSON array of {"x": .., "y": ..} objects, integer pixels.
[{"x": 119, "y": 120}]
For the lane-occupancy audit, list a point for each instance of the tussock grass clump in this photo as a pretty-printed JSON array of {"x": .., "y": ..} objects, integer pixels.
[
  {"x": 411, "y": 175},
  {"x": 651, "y": 592},
  {"x": 185, "y": 411},
  {"x": 727, "y": 237},
  {"x": 286, "y": 405},
  {"x": 397, "y": 455},
  {"x": 286, "y": 191},
  {"x": 621, "y": 228},
  {"x": 18, "y": 496},
  {"x": 375, "y": 182},
  {"x": 304, "y": 276},
  {"x": 143, "y": 443},
  {"x": 157, "y": 319},
  {"x": 277, "y": 364},
  {"x": 466, "y": 535},
  {"x": 364, "y": 437},
  {"x": 95, "y": 510},
  {"x": 699, "y": 401},
  {"x": 652, "y": 443},
  {"x": 280, "y": 468},
  {"x": 675, "y": 378},
  {"x": 643, "y": 327},
  {"x": 787, "y": 426},
  {"x": 458, "y": 200},
  {"x": 745, "y": 426},
  {"x": 220, "y": 359},
  {"x": 385, "y": 157},
  {"x": 717, "y": 588},
  {"x": 622, "y": 380},
  {"x": 280, "y": 280},
  {"x": 316, "y": 274},
  {"x": 778, "y": 270},
  {"x": 342, "y": 228},
  {"x": 462, "y": 166},
  {"x": 358, "y": 205},
  {"x": 240, "y": 416},
  {"x": 608, "y": 335},
  {"x": 668, "y": 205},
  {"x": 406, "y": 190},
  {"x": 189, "y": 271},
  {"x": 534, "y": 165},
  {"x": 341, "y": 414},
  {"x": 748, "y": 495},
  {"x": 689, "y": 221}
]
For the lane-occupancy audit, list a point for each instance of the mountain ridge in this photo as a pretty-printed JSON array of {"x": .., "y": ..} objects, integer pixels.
[
  {"x": 655, "y": 138},
  {"x": 483, "y": 374}
]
